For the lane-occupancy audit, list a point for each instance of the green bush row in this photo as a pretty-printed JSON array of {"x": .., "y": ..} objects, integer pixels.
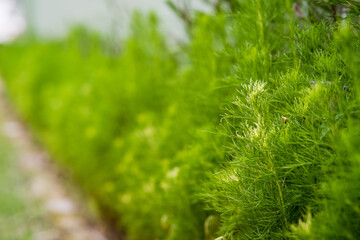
[{"x": 248, "y": 131}]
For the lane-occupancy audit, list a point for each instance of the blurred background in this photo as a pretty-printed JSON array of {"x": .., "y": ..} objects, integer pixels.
[{"x": 53, "y": 18}]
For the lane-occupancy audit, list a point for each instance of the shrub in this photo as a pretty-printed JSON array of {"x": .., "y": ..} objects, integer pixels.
[{"x": 249, "y": 131}]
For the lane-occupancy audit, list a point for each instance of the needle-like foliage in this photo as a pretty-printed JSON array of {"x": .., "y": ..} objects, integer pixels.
[{"x": 248, "y": 131}]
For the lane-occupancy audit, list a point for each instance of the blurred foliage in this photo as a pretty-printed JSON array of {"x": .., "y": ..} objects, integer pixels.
[
  {"x": 135, "y": 129},
  {"x": 248, "y": 132}
]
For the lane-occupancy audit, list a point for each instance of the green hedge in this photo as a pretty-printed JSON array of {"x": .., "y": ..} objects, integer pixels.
[{"x": 245, "y": 132}]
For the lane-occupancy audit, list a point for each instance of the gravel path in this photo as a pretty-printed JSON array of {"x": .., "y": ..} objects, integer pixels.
[{"x": 63, "y": 213}]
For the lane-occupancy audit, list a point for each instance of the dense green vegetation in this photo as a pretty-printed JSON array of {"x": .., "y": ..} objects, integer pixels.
[{"x": 250, "y": 131}]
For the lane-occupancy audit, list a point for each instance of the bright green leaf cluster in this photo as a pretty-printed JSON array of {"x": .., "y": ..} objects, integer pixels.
[{"x": 249, "y": 132}]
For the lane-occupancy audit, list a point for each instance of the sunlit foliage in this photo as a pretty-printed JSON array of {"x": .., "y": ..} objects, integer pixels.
[{"x": 248, "y": 131}]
